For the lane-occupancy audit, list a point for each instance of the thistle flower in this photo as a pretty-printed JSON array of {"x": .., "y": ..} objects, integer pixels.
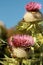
[
  {"x": 21, "y": 40},
  {"x": 33, "y": 6}
]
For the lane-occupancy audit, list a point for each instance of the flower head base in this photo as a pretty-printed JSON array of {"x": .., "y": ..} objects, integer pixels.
[
  {"x": 33, "y": 6},
  {"x": 21, "y": 40}
]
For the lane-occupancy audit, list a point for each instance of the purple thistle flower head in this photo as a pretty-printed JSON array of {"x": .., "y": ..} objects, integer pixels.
[
  {"x": 21, "y": 40},
  {"x": 33, "y": 6}
]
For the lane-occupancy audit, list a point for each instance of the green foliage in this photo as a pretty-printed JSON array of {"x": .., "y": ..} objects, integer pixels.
[{"x": 3, "y": 32}]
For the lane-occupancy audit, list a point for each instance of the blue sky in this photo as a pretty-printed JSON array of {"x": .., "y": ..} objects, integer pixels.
[{"x": 12, "y": 11}]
